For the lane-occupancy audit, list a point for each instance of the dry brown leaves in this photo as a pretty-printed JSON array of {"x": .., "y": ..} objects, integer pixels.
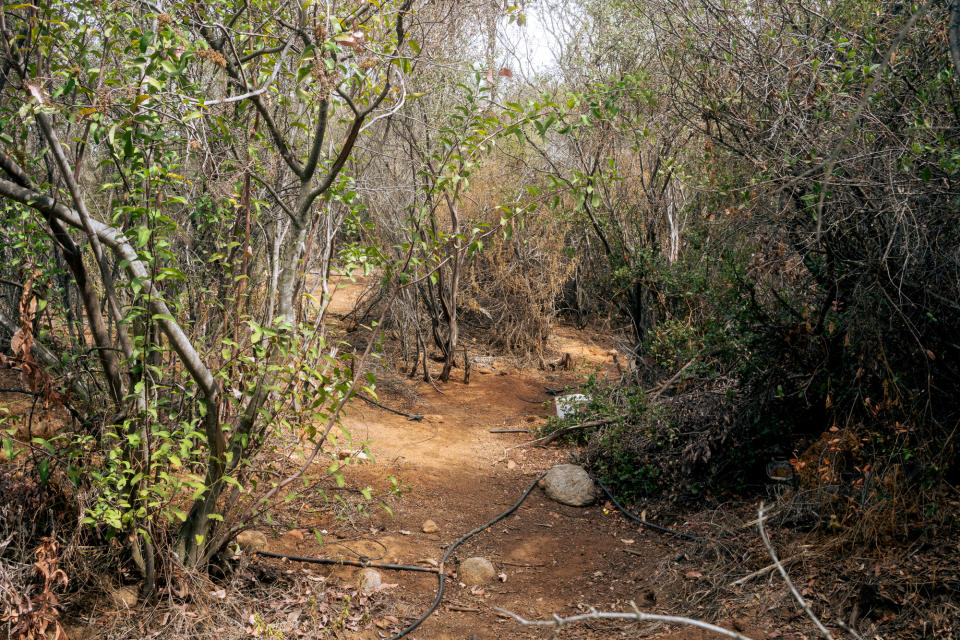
[
  {"x": 31, "y": 614},
  {"x": 34, "y": 377}
]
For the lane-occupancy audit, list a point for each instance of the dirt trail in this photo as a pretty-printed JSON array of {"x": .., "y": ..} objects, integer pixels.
[{"x": 553, "y": 558}]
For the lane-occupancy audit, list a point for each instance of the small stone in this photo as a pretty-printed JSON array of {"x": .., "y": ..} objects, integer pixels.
[
  {"x": 368, "y": 580},
  {"x": 484, "y": 371},
  {"x": 511, "y": 465},
  {"x": 430, "y": 527},
  {"x": 569, "y": 484},
  {"x": 125, "y": 597},
  {"x": 251, "y": 540},
  {"x": 477, "y": 570},
  {"x": 294, "y": 535}
]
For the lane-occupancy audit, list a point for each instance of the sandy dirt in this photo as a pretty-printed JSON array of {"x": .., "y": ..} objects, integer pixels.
[{"x": 551, "y": 558}]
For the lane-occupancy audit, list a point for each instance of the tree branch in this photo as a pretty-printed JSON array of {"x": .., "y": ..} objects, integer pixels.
[
  {"x": 783, "y": 572},
  {"x": 251, "y": 93},
  {"x": 636, "y": 615},
  {"x": 115, "y": 240}
]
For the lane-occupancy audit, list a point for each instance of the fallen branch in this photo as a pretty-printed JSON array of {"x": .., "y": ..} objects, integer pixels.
[
  {"x": 756, "y": 521},
  {"x": 756, "y": 574},
  {"x": 408, "y": 416},
  {"x": 547, "y": 439},
  {"x": 666, "y": 385},
  {"x": 783, "y": 572},
  {"x": 636, "y": 615}
]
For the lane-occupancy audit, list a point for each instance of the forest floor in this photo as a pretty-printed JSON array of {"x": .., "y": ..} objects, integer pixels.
[
  {"x": 552, "y": 558},
  {"x": 451, "y": 470}
]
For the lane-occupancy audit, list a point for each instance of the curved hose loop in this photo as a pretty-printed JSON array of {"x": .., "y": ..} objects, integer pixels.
[
  {"x": 441, "y": 577},
  {"x": 640, "y": 520},
  {"x": 440, "y": 574}
]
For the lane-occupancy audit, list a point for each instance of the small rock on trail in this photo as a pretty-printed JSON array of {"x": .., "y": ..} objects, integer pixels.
[
  {"x": 569, "y": 484},
  {"x": 368, "y": 580},
  {"x": 251, "y": 540},
  {"x": 430, "y": 526},
  {"x": 477, "y": 570},
  {"x": 125, "y": 597}
]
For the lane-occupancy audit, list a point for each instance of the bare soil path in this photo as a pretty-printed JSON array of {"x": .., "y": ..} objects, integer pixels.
[{"x": 551, "y": 558}]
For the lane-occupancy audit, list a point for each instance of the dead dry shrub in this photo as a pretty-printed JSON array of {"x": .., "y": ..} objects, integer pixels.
[
  {"x": 30, "y": 606},
  {"x": 675, "y": 447},
  {"x": 511, "y": 288},
  {"x": 256, "y": 599}
]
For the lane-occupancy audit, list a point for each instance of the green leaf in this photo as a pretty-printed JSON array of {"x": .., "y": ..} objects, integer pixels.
[{"x": 143, "y": 236}]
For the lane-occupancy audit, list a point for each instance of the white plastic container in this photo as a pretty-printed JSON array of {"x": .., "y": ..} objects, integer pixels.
[{"x": 570, "y": 404}]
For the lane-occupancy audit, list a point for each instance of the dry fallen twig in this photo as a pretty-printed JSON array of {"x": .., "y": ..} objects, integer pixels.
[
  {"x": 666, "y": 385},
  {"x": 766, "y": 570},
  {"x": 547, "y": 439},
  {"x": 636, "y": 615},
  {"x": 783, "y": 572}
]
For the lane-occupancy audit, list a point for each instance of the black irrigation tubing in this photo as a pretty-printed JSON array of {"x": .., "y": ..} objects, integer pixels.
[
  {"x": 408, "y": 416},
  {"x": 509, "y": 430},
  {"x": 636, "y": 518},
  {"x": 441, "y": 577},
  {"x": 350, "y": 563}
]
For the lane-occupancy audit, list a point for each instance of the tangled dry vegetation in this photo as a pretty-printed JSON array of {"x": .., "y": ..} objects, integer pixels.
[
  {"x": 868, "y": 551},
  {"x": 511, "y": 290},
  {"x": 50, "y": 591}
]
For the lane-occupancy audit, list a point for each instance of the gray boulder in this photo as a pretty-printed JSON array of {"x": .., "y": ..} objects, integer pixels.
[
  {"x": 569, "y": 484},
  {"x": 474, "y": 571},
  {"x": 368, "y": 581}
]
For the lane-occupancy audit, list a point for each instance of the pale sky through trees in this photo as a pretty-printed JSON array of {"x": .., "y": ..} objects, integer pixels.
[{"x": 529, "y": 47}]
